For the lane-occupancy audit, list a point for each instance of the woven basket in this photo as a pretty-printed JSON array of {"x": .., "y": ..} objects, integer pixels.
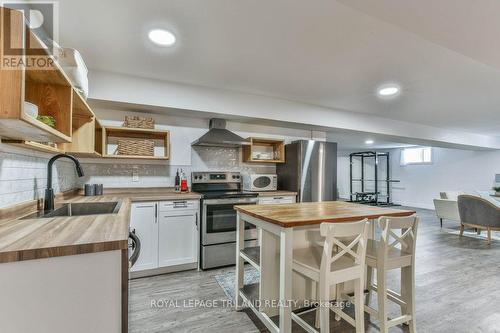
[
  {"x": 139, "y": 122},
  {"x": 136, "y": 147}
]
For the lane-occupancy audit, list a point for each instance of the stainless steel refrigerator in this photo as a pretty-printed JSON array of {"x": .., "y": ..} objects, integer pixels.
[{"x": 310, "y": 170}]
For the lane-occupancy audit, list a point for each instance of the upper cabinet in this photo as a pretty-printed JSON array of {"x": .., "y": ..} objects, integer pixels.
[
  {"x": 261, "y": 150},
  {"x": 48, "y": 88},
  {"x": 87, "y": 136},
  {"x": 136, "y": 143}
]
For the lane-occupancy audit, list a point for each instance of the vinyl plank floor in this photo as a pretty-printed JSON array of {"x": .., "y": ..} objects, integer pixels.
[{"x": 457, "y": 290}]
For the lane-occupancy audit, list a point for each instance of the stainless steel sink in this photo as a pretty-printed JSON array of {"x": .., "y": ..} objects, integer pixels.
[{"x": 81, "y": 209}]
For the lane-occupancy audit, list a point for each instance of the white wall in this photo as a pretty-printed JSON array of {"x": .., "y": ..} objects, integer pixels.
[{"x": 451, "y": 170}]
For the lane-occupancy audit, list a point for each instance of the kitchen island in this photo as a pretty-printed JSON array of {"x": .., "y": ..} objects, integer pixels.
[{"x": 281, "y": 229}]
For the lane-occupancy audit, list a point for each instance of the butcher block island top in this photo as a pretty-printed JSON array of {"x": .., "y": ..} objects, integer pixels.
[
  {"x": 309, "y": 213},
  {"x": 36, "y": 238}
]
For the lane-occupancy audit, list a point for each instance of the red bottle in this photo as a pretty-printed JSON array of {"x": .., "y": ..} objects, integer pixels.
[{"x": 184, "y": 182}]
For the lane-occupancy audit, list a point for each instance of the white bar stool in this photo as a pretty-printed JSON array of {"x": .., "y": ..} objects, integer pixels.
[
  {"x": 341, "y": 259},
  {"x": 393, "y": 251}
]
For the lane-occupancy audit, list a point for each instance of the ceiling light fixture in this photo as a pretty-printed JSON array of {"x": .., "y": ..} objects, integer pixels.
[
  {"x": 369, "y": 142},
  {"x": 161, "y": 37},
  {"x": 388, "y": 90}
]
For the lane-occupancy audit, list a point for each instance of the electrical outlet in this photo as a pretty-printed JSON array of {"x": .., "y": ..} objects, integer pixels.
[{"x": 135, "y": 175}]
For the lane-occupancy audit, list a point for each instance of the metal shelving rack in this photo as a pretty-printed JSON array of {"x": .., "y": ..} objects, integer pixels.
[{"x": 372, "y": 198}]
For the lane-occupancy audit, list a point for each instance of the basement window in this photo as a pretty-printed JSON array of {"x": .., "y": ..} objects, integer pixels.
[{"x": 417, "y": 155}]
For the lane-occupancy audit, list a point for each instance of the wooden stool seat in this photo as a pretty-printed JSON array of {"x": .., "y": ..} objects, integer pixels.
[
  {"x": 396, "y": 258},
  {"x": 340, "y": 259},
  {"x": 308, "y": 262}
]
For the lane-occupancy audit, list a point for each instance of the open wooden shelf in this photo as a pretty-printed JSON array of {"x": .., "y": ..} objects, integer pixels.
[
  {"x": 48, "y": 88},
  {"x": 270, "y": 147},
  {"x": 84, "y": 125},
  {"x": 53, "y": 74},
  {"x": 33, "y": 145},
  {"x": 157, "y": 135}
]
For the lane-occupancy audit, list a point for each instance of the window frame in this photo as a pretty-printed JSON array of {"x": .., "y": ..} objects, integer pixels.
[{"x": 404, "y": 163}]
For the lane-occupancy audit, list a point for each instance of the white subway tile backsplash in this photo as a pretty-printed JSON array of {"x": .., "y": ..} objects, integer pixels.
[
  {"x": 159, "y": 175},
  {"x": 24, "y": 177}
]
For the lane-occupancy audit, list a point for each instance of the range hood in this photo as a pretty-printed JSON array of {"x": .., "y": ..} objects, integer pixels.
[{"x": 219, "y": 136}]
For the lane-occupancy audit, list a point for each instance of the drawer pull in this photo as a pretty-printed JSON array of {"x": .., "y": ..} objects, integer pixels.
[{"x": 180, "y": 204}]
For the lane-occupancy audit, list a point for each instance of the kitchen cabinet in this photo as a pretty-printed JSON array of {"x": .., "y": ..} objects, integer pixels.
[
  {"x": 178, "y": 238},
  {"x": 161, "y": 139},
  {"x": 168, "y": 231},
  {"x": 144, "y": 220},
  {"x": 277, "y": 199},
  {"x": 261, "y": 150}
]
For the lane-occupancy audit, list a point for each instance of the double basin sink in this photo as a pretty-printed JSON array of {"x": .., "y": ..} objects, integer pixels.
[{"x": 80, "y": 209}]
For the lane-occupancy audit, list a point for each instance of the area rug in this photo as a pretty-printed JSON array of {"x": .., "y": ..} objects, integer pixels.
[{"x": 227, "y": 280}]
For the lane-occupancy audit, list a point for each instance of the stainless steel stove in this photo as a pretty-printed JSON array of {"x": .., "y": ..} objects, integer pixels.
[{"x": 221, "y": 191}]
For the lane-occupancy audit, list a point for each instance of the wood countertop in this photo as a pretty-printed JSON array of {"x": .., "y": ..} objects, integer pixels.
[
  {"x": 310, "y": 213},
  {"x": 37, "y": 238}
]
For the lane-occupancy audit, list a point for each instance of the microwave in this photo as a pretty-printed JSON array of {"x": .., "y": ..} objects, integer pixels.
[{"x": 260, "y": 182}]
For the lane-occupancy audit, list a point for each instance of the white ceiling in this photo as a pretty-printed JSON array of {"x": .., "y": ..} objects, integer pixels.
[{"x": 319, "y": 52}]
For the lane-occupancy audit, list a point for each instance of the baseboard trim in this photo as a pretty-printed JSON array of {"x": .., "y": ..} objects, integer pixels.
[{"x": 162, "y": 270}]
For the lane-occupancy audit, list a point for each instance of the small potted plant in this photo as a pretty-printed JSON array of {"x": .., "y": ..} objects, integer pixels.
[{"x": 497, "y": 190}]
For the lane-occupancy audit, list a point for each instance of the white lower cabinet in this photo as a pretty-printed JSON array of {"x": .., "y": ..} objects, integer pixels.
[
  {"x": 168, "y": 232},
  {"x": 144, "y": 220},
  {"x": 279, "y": 199},
  {"x": 178, "y": 238}
]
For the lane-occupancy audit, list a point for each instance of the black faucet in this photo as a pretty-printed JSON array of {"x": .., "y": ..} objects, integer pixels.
[{"x": 48, "y": 203}]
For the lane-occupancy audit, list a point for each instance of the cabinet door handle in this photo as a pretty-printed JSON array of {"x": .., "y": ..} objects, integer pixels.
[
  {"x": 278, "y": 198},
  {"x": 156, "y": 213},
  {"x": 196, "y": 221}
]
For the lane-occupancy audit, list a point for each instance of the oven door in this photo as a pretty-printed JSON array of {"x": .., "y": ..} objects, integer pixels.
[{"x": 219, "y": 220}]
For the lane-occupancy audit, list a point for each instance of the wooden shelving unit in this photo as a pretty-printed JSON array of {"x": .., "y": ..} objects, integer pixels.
[
  {"x": 86, "y": 130},
  {"x": 77, "y": 130},
  {"x": 159, "y": 136},
  {"x": 34, "y": 145},
  {"x": 270, "y": 151},
  {"x": 48, "y": 88}
]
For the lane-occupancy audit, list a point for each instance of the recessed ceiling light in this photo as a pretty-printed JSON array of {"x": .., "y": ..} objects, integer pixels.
[
  {"x": 388, "y": 90},
  {"x": 161, "y": 37},
  {"x": 369, "y": 142}
]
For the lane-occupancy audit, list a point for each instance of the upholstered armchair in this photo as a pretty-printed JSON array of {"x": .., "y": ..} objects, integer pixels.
[
  {"x": 478, "y": 213},
  {"x": 446, "y": 209}
]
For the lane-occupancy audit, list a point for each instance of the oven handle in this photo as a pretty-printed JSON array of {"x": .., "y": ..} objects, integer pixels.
[{"x": 229, "y": 201}]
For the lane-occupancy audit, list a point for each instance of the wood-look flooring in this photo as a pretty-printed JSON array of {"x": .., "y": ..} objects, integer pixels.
[{"x": 457, "y": 290}]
